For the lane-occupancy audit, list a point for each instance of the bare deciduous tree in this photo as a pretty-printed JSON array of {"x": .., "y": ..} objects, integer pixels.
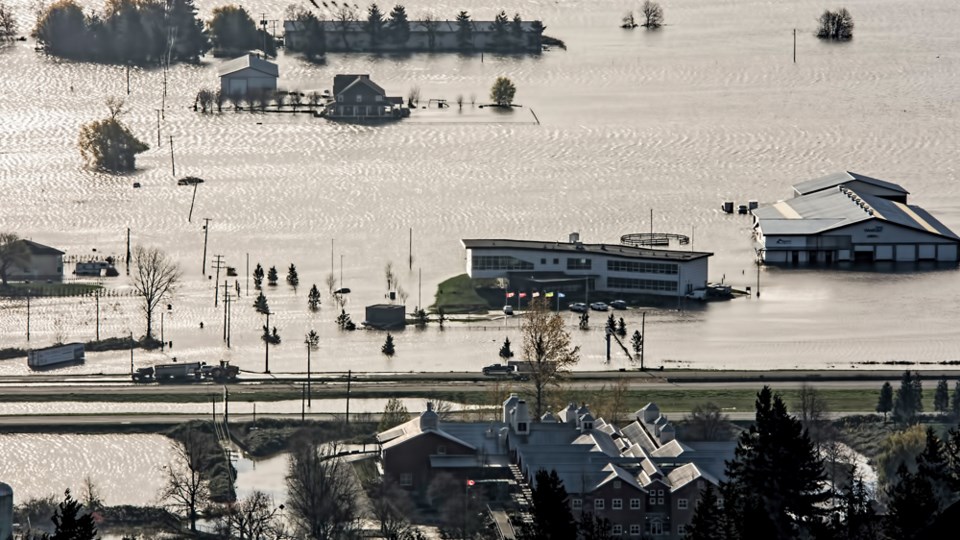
[
  {"x": 331, "y": 282},
  {"x": 8, "y": 23},
  {"x": 252, "y": 518},
  {"x": 392, "y": 507},
  {"x": 13, "y": 253},
  {"x": 707, "y": 423},
  {"x": 812, "y": 412},
  {"x": 547, "y": 353},
  {"x": 652, "y": 14},
  {"x": 836, "y": 25},
  {"x": 321, "y": 492},
  {"x": 155, "y": 279},
  {"x": 344, "y": 18},
  {"x": 185, "y": 491}
]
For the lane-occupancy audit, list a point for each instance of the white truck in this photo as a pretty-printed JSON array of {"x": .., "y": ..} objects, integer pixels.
[{"x": 51, "y": 357}]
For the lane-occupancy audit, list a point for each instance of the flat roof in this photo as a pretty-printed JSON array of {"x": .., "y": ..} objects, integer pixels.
[{"x": 610, "y": 250}]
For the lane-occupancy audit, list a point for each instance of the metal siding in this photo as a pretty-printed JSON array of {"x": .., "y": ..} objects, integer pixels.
[
  {"x": 927, "y": 252},
  {"x": 947, "y": 252},
  {"x": 884, "y": 253},
  {"x": 907, "y": 253}
]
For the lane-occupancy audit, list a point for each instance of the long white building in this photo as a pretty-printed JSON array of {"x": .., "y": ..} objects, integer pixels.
[
  {"x": 848, "y": 217},
  {"x": 571, "y": 266}
]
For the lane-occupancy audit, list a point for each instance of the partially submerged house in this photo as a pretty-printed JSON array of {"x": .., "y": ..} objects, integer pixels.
[
  {"x": 44, "y": 263},
  {"x": 849, "y": 217},
  {"x": 356, "y": 97},
  {"x": 346, "y": 36},
  {"x": 640, "y": 477},
  {"x": 248, "y": 75}
]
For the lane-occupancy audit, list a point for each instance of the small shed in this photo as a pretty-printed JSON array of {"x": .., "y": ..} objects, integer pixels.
[
  {"x": 385, "y": 316},
  {"x": 248, "y": 75}
]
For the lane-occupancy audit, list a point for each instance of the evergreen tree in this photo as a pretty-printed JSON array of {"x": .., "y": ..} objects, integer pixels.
[
  {"x": 272, "y": 276},
  {"x": 344, "y": 322},
  {"x": 941, "y": 398},
  {"x": 313, "y": 298},
  {"x": 909, "y": 399},
  {"x": 505, "y": 351},
  {"x": 272, "y": 338},
  {"x": 621, "y": 328},
  {"x": 191, "y": 39},
  {"x": 261, "y": 304},
  {"x": 501, "y": 26},
  {"x": 552, "y": 519},
  {"x": 955, "y": 400},
  {"x": 464, "y": 30},
  {"x": 399, "y": 25},
  {"x": 388, "y": 348},
  {"x": 932, "y": 465},
  {"x": 70, "y": 523},
  {"x": 952, "y": 451},
  {"x": 911, "y": 506},
  {"x": 707, "y": 522},
  {"x": 885, "y": 403},
  {"x": 855, "y": 518},
  {"x": 374, "y": 25},
  {"x": 292, "y": 278},
  {"x": 516, "y": 28},
  {"x": 611, "y": 324},
  {"x": 394, "y": 414},
  {"x": 774, "y": 485},
  {"x": 258, "y": 276}
]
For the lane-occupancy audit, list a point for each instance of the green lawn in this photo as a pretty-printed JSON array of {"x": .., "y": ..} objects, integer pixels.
[{"x": 458, "y": 295}]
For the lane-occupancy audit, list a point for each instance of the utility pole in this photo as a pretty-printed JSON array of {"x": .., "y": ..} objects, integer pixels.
[
  {"x": 128, "y": 251},
  {"x": 341, "y": 270},
  {"x": 419, "y": 288},
  {"x": 349, "y": 374},
  {"x": 98, "y": 314},
  {"x": 218, "y": 261},
  {"x": 193, "y": 201},
  {"x": 248, "y": 274},
  {"x": 643, "y": 334},
  {"x": 131, "y": 354},
  {"x": 158, "y": 128},
  {"x": 794, "y": 45},
  {"x": 128, "y": 79},
  {"x": 303, "y": 402},
  {"x": 266, "y": 350},
  {"x": 161, "y": 331},
  {"x": 226, "y": 300},
  {"x": 203, "y": 265},
  {"x": 411, "y": 248},
  {"x": 28, "y": 314},
  {"x": 173, "y": 165}
]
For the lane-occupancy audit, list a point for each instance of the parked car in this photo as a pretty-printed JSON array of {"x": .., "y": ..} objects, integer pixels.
[
  {"x": 500, "y": 369},
  {"x": 508, "y": 309},
  {"x": 619, "y": 304},
  {"x": 578, "y": 307},
  {"x": 598, "y": 306}
]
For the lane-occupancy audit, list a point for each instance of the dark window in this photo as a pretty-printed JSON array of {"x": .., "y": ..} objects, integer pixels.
[
  {"x": 496, "y": 262},
  {"x": 543, "y": 261},
  {"x": 641, "y": 267},
  {"x": 522, "y": 426},
  {"x": 556, "y": 261},
  {"x": 579, "y": 264},
  {"x": 641, "y": 284}
]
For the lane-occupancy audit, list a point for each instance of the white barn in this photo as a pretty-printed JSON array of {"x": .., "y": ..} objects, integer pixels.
[
  {"x": 848, "y": 217},
  {"x": 248, "y": 75},
  {"x": 611, "y": 268}
]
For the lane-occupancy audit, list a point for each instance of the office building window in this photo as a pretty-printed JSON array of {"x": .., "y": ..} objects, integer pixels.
[
  {"x": 617, "y": 530},
  {"x": 599, "y": 504},
  {"x": 681, "y": 529},
  {"x": 681, "y": 504},
  {"x": 634, "y": 504},
  {"x": 635, "y": 530},
  {"x": 579, "y": 264},
  {"x": 641, "y": 284},
  {"x": 641, "y": 267},
  {"x": 616, "y": 504},
  {"x": 496, "y": 262}
]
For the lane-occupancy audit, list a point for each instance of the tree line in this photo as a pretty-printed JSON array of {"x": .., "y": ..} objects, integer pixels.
[{"x": 145, "y": 32}]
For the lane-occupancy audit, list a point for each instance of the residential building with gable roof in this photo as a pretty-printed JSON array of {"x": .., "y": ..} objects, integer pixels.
[
  {"x": 45, "y": 264},
  {"x": 358, "y": 97},
  {"x": 248, "y": 75},
  {"x": 639, "y": 477}
]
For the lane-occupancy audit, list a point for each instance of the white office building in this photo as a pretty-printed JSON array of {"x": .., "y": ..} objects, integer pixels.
[
  {"x": 612, "y": 268},
  {"x": 848, "y": 217}
]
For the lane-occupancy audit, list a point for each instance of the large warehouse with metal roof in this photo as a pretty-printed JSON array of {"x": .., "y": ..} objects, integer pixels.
[{"x": 850, "y": 217}]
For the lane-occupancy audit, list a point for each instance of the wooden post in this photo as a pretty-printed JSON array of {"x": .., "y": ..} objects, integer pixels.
[
  {"x": 203, "y": 267},
  {"x": 216, "y": 283},
  {"x": 192, "y": 202}
]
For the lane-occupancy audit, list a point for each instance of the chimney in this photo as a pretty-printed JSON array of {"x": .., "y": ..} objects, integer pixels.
[
  {"x": 429, "y": 419},
  {"x": 521, "y": 418},
  {"x": 574, "y": 238},
  {"x": 667, "y": 433},
  {"x": 508, "y": 405}
]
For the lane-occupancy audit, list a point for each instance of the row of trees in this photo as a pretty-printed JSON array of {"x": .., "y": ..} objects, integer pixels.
[
  {"x": 393, "y": 30},
  {"x": 906, "y": 403},
  {"x": 146, "y": 31},
  {"x": 8, "y": 23}
]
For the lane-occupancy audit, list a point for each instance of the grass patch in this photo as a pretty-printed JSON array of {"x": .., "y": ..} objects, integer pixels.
[
  {"x": 270, "y": 436},
  {"x": 216, "y": 468},
  {"x": 18, "y": 290},
  {"x": 459, "y": 295}
]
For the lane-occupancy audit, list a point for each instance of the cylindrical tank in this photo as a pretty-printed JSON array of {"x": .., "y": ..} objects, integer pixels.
[{"x": 6, "y": 512}]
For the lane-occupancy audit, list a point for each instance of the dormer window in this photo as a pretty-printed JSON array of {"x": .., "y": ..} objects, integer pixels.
[
  {"x": 522, "y": 427},
  {"x": 359, "y": 98},
  {"x": 340, "y": 99},
  {"x": 379, "y": 98}
]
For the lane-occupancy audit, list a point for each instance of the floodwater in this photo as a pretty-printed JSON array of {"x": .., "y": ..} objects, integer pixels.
[{"x": 709, "y": 108}]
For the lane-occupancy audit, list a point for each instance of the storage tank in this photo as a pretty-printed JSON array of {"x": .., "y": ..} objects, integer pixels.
[{"x": 6, "y": 512}]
